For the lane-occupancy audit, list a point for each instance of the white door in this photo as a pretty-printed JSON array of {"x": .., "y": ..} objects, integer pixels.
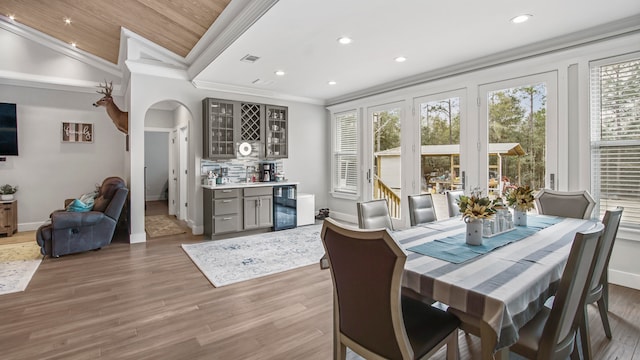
[
  {"x": 519, "y": 134},
  {"x": 174, "y": 169},
  {"x": 182, "y": 178}
]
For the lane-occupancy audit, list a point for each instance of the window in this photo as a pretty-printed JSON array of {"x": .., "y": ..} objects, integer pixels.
[
  {"x": 615, "y": 136},
  {"x": 345, "y": 152}
]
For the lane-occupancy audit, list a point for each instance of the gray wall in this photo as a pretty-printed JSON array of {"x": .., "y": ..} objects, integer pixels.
[{"x": 156, "y": 162}]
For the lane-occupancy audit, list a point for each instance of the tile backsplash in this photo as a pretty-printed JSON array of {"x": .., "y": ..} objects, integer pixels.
[{"x": 237, "y": 168}]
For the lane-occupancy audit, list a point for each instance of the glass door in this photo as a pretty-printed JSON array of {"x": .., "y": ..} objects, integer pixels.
[
  {"x": 522, "y": 133},
  {"x": 384, "y": 179}
]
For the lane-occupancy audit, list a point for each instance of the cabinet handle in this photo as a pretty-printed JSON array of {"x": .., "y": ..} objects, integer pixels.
[
  {"x": 227, "y": 191},
  {"x": 226, "y": 218},
  {"x": 226, "y": 201}
]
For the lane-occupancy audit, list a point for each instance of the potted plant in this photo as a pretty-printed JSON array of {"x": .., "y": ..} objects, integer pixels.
[
  {"x": 474, "y": 209},
  {"x": 7, "y": 191},
  {"x": 521, "y": 200}
]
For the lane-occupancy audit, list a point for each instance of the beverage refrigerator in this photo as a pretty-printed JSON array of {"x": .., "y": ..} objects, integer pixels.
[{"x": 284, "y": 207}]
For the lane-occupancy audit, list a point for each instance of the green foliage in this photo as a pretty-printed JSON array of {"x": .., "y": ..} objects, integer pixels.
[{"x": 7, "y": 189}]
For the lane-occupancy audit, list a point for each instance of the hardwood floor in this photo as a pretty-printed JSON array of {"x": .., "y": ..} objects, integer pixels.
[{"x": 149, "y": 301}]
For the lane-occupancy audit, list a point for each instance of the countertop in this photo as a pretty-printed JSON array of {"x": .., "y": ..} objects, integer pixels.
[{"x": 248, "y": 185}]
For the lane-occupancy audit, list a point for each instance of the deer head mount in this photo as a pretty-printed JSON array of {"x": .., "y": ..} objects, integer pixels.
[{"x": 120, "y": 118}]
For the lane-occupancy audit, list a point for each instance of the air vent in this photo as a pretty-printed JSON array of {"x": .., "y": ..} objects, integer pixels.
[
  {"x": 262, "y": 82},
  {"x": 250, "y": 58}
]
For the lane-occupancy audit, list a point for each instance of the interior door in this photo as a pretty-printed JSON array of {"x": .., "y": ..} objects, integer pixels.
[
  {"x": 174, "y": 164},
  {"x": 384, "y": 160},
  {"x": 519, "y": 134}
]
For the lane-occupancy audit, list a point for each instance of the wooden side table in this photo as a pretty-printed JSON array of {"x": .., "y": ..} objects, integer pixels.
[{"x": 8, "y": 217}]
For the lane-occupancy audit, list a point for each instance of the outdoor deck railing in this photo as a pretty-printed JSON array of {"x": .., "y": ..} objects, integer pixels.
[{"x": 382, "y": 191}]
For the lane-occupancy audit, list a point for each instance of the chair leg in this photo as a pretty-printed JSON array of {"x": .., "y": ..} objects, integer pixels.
[
  {"x": 453, "y": 351},
  {"x": 340, "y": 351},
  {"x": 602, "y": 307},
  {"x": 585, "y": 339}
]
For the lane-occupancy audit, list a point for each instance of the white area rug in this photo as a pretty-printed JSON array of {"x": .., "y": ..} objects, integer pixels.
[
  {"x": 18, "y": 263},
  {"x": 228, "y": 261}
]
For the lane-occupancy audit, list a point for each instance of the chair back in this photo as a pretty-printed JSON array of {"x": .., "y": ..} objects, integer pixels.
[
  {"x": 452, "y": 201},
  {"x": 558, "y": 339},
  {"x": 421, "y": 209},
  {"x": 374, "y": 214},
  {"x": 611, "y": 223},
  {"x": 572, "y": 204},
  {"x": 366, "y": 269}
]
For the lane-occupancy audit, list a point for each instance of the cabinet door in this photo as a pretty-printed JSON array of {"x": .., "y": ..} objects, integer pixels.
[
  {"x": 219, "y": 134},
  {"x": 277, "y": 121},
  {"x": 251, "y": 219},
  {"x": 265, "y": 211},
  {"x": 251, "y": 122}
]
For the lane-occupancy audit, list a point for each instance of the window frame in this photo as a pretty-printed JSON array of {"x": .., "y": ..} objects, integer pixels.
[{"x": 337, "y": 190}]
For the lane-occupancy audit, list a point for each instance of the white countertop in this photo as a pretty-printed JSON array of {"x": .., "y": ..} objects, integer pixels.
[{"x": 251, "y": 184}]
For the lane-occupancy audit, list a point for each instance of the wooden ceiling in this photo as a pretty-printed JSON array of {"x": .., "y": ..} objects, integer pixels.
[{"x": 95, "y": 24}]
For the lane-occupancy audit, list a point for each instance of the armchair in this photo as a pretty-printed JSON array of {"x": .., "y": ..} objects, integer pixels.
[{"x": 72, "y": 232}]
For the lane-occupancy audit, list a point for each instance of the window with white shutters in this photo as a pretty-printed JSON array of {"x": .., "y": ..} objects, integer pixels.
[
  {"x": 345, "y": 153},
  {"x": 615, "y": 136}
]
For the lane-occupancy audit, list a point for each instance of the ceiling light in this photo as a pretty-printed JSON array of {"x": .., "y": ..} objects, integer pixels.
[
  {"x": 344, "y": 40},
  {"x": 332, "y": 82},
  {"x": 279, "y": 72},
  {"x": 400, "y": 59},
  {"x": 521, "y": 18},
  {"x": 11, "y": 17},
  {"x": 67, "y": 21},
  {"x": 74, "y": 44}
]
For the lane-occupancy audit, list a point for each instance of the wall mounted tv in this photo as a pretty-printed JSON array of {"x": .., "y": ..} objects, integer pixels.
[{"x": 8, "y": 130}]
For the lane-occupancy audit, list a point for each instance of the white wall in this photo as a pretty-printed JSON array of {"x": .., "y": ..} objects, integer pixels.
[
  {"x": 47, "y": 170},
  {"x": 156, "y": 157}
]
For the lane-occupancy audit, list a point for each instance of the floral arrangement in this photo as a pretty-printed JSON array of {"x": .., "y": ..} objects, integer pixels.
[
  {"x": 7, "y": 189},
  {"x": 476, "y": 206},
  {"x": 521, "y": 198}
]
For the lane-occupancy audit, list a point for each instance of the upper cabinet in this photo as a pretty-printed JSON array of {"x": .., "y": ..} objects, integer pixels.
[
  {"x": 219, "y": 132},
  {"x": 228, "y": 123},
  {"x": 276, "y": 132}
]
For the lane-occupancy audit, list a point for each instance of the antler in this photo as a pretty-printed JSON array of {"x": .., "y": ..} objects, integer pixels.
[{"x": 107, "y": 89}]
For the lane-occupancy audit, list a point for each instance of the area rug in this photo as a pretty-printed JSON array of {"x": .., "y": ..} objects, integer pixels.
[
  {"x": 18, "y": 263},
  {"x": 162, "y": 225},
  {"x": 232, "y": 260}
]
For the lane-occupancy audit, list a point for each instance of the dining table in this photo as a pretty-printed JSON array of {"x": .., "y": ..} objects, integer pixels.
[{"x": 494, "y": 288}]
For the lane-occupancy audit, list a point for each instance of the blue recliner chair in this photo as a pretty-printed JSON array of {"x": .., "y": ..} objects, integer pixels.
[{"x": 73, "y": 232}]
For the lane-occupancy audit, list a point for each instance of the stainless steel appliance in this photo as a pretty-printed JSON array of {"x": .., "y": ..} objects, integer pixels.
[
  {"x": 284, "y": 207},
  {"x": 268, "y": 171}
]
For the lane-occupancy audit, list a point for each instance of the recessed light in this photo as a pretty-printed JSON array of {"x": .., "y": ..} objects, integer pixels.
[
  {"x": 400, "y": 59},
  {"x": 279, "y": 72},
  {"x": 11, "y": 17},
  {"x": 332, "y": 82},
  {"x": 67, "y": 21},
  {"x": 74, "y": 44},
  {"x": 344, "y": 40},
  {"x": 521, "y": 18}
]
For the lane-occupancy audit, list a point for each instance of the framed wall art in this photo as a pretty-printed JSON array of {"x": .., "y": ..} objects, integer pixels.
[{"x": 77, "y": 132}]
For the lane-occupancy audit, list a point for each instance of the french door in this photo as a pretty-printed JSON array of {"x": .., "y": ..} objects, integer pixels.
[{"x": 519, "y": 134}]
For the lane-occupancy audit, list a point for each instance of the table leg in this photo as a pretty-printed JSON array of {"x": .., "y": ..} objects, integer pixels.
[{"x": 488, "y": 337}]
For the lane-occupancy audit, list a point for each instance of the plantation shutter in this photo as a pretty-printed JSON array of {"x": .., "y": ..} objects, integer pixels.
[
  {"x": 615, "y": 137},
  {"x": 345, "y": 175}
]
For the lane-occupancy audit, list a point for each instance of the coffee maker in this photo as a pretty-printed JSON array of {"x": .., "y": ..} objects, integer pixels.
[{"x": 268, "y": 171}]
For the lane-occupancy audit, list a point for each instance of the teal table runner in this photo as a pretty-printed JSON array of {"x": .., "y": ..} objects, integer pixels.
[{"x": 455, "y": 250}]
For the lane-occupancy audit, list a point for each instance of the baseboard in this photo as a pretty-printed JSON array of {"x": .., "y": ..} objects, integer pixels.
[
  {"x": 343, "y": 217},
  {"x": 31, "y": 226},
  {"x": 625, "y": 279},
  {"x": 138, "y": 238}
]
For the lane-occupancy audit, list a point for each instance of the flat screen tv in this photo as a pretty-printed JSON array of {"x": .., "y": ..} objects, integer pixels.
[{"x": 8, "y": 130}]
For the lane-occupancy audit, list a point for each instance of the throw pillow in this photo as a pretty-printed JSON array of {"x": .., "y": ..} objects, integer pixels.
[{"x": 85, "y": 203}]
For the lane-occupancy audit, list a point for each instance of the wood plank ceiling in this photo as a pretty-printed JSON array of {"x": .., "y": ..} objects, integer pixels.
[{"x": 95, "y": 24}]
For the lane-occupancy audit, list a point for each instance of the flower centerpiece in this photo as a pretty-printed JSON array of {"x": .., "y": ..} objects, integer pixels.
[
  {"x": 7, "y": 191},
  {"x": 474, "y": 209},
  {"x": 521, "y": 199}
]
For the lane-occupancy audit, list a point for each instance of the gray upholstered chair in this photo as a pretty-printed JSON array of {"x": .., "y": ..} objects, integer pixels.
[
  {"x": 551, "y": 334},
  {"x": 571, "y": 204},
  {"x": 372, "y": 318},
  {"x": 374, "y": 214},
  {"x": 599, "y": 283},
  {"x": 421, "y": 209},
  {"x": 72, "y": 232},
  {"x": 452, "y": 202}
]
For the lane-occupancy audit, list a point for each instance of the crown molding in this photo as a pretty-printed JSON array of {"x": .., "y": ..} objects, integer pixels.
[
  {"x": 156, "y": 68},
  {"x": 136, "y": 47},
  {"x": 623, "y": 27},
  {"x": 51, "y": 82},
  {"x": 237, "y": 17},
  {"x": 241, "y": 90},
  {"x": 59, "y": 46}
]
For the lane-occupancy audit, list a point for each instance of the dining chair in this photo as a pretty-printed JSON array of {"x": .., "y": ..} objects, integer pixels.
[
  {"x": 374, "y": 214},
  {"x": 370, "y": 315},
  {"x": 597, "y": 291},
  {"x": 572, "y": 204},
  {"x": 421, "y": 209},
  {"x": 552, "y": 331},
  {"x": 452, "y": 201}
]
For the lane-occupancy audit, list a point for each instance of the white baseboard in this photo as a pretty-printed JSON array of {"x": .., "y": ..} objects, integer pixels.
[
  {"x": 31, "y": 226},
  {"x": 138, "y": 238},
  {"x": 344, "y": 217},
  {"x": 625, "y": 279}
]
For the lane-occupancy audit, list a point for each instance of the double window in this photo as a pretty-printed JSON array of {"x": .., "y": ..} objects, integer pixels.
[{"x": 615, "y": 136}]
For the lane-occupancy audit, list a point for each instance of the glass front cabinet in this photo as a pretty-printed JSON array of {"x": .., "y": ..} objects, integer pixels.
[
  {"x": 276, "y": 132},
  {"x": 219, "y": 132}
]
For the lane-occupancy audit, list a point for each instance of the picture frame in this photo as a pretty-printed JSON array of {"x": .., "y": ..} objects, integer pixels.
[{"x": 73, "y": 132}]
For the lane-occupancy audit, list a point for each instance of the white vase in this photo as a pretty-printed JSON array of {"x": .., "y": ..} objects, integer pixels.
[
  {"x": 474, "y": 232},
  {"x": 519, "y": 218},
  {"x": 6, "y": 197}
]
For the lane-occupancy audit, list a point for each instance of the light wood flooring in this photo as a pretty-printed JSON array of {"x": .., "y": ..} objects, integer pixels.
[{"x": 149, "y": 301}]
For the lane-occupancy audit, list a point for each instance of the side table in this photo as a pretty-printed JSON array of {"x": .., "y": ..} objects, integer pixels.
[{"x": 8, "y": 217}]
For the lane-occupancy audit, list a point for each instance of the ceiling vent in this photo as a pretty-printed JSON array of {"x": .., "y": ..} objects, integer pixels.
[
  {"x": 262, "y": 82},
  {"x": 250, "y": 58}
]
